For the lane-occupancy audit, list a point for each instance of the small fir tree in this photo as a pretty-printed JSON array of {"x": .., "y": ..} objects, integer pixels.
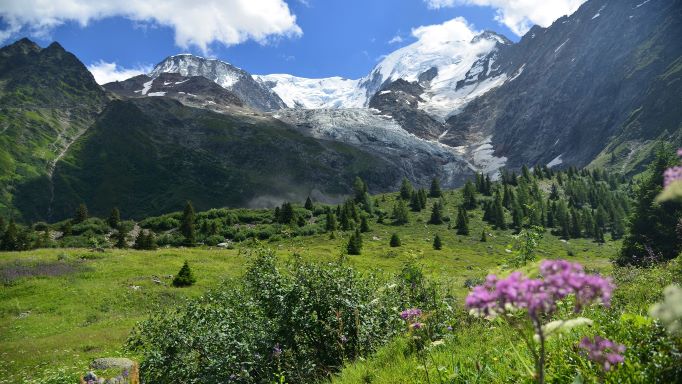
[
  {"x": 400, "y": 213},
  {"x": 309, "y": 204},
  {"x": 185, "y": 277},
  {"x": 437, "y": 243},
  {"x": 114, "y": 218},
  {"x": 435, "y": 190},
  {"x": 436, "y": 213},
  {"x": 406, "y": 189},
  {"x": 354, "y": 246},
  {"x": 462, "y": 221},
  {"x": 364, "y": 224},
  {"x": 81, "y": 213},
  {"x": 395, "y": 241}
]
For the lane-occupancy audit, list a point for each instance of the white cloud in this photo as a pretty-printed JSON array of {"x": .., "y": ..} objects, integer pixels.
[
  {"x": 457, "y": 29},
  {"x": 518, "y": 15},
  {"x": 396, "y": 39},
  {"x": 197, "y": 23},
  {"x": 107, "y": 72}
]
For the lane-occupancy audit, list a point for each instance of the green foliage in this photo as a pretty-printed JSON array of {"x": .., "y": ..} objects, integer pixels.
[
  {"x": 301, "y": 323},
  {"x": 185, "y": 277},
  {"x": 436, "y": 213},
  {"x": 437, "y": 242},
  {"x": 651, "y": 236},
  {"x": 400, "y": 213},
  {"x": 364, "y": 224},
  {"x": 187, "y": 224},
  {"x": 354, "y": 246},
  {"x": 81, "y": 214},
  {"x": 462, "y": 221},
  {"x": 145, "y": 240},
  {"x": 469, "y": 195},
  {"x": 114, "y": 218},
  {"x": 406, "y": 189},
  {"x": 395, "y": 240},
  {"x": 308, "y": 204},
  {"x": 435, "y": 190}
]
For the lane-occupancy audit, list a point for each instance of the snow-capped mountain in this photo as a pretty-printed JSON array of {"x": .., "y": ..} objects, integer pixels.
[
  {"x": 438, "y": 66},
  {"x": 252, "y": 92},
  {"x": 329, "y": 92}
]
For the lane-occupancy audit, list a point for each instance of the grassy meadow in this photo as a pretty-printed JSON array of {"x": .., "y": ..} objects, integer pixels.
[{"x": 61, "y": 308}]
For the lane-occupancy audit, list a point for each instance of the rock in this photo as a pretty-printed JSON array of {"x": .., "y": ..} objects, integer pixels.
[
  {"x": 125, "y": 371},
  {"x": 112, "y": 362}
]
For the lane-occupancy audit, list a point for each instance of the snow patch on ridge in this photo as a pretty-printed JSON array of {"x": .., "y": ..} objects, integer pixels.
[{"x": 556, "y": 161}]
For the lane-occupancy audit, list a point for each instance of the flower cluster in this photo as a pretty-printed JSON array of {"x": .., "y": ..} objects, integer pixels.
[
  {"x": 410, "y": 314},
  {"x": 539, "y": 296},
  {"x": 603, "y": 351},
  {"x": 673, "y": 174}
]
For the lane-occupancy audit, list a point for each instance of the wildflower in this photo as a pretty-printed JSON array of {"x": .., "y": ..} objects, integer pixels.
[
  {"x": 411, "y": 313},
  {"x": 450, "y": 328},
  {"x": 603, "y": 351},
  {"x": 417, "y": 325},
  {"x": 671, "y": 175},
  {"x": 276, "y": 351}
]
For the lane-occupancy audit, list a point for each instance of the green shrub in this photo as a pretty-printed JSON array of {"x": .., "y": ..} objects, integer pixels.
[
  {"x": 301, "y": 323},
  {"x": 184, "y": 278}
]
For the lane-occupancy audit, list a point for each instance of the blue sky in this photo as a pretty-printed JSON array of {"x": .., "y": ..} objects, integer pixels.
[{"x": 309, "y": 38}]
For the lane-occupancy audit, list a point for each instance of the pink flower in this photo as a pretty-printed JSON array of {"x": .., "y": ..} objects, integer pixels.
[
  {"x": 411, "y": 313},
  {"x": 603, "y": 351}
]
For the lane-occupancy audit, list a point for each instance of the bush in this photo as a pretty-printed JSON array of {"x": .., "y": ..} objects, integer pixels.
[
  {"x": 301, "y": 324},
  {"x": 395, "y": 241}
]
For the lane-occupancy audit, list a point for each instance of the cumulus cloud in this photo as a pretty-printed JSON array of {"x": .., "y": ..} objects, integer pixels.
[
  {"x": 439, "y": 34},
  {"x": 197, "y": 23},
  {"x": 396, "y": 39},
  {"x": 105, "y": 72},
  {"x": 518, "y": 15}
]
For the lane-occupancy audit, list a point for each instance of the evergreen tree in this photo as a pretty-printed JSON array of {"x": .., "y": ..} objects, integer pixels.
[
  {"x": 331, "y": 224},
  {"x": 488, "y": 190},
  {"x": 359, "y": 189},
  {"x": 484, "y": 237},
  {"x": 651, "y": 234},
  {"x": 67, "y": 228},
  {"x": 308, "y": 204},
  {"x": 576, "y": 228},
  {"x": 114, "y": 218},
  {"x": 422, "y": 197},
  {"x": 517, "y": 216},
  {"x": 345, "y": 219},
  {"x": 286, "y": 213},
  {"x": 462, "y": 221},
  {"x": 2, "y": 225},
  {"x": 498, "y": 212},
  {"x": 415, "y": 202},
  {"x": 618, "y": 226},
  {"x": 120, "y": 237},
  {"x": 598, "y": 234},
  {"x": 9, "y": 239},
  {"x": 469, "y": 195},
  {"x": 554, "y": 192},
  {"x": 395, "y": 241},
  {"x": 81, "y": 214},
  {"x": 525, "y": 173},
  {"x": 436, "y": 213},
  {"x": 364, "y": 224},
  {"x": 185, "y": 277},
  {"x": 406, "y": 189},
  {"x": 437, "y": 243},
  {"x": 187, "y": 224},
  {"x": 400, "y": 213},
  {"x": 435, "y": 191},
  {"x": 354, "y": 246}
]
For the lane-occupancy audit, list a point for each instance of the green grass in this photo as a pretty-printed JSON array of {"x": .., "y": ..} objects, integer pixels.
[{"x": 68, "y": 320}]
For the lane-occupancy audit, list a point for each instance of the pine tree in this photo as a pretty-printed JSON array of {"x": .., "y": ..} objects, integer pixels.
[
  {"x": 81, "y": 214},
  {"x": 436, "y": 213},
  {"x": 187, "y": 224},
  {"x": 286, "y": 213},
  {"x": 422, "y": 197},
  {"x": 406, "y": 189},
  {"x": 469, "y": 195},
  {"x": 415, "y": 203},
  {"x": 2, "y": 225},
  {"x": 331, "y": 224},
  {"x": 554, "y": 192},
  {"x": 576, "y": 228},
  {"x": 121, "y": 238},
  {"x": 498, "y": 212},
  {"x": 435, "y": 191},
  {"x": 462, "y": 221},
  {"x": 484, "y": 237},
  {"x": 651, "y": 234},
  {"x": 9, "y": 239},
  {"x": 437, "y": 243},
  {"x": 395, "y": 241},
  {"x": 185, "y": 277},
  {"x": 488, "y": 190},
  {"x": 400, "y": 213},
  {"x": 354, "y": 246},
  {"x": 67, "y": 228},
  {"x": 364, "y": 224},
  {"x": 114, "y": 218},
  {"x": 308, "y": 204},
  {"x": 345, "y": 219},
  {"x": 598, "y": 234}
]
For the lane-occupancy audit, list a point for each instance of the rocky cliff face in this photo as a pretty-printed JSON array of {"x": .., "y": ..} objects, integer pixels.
[
  {"x": 583, "y": 83},
  {"x": 251, "y": 91}
]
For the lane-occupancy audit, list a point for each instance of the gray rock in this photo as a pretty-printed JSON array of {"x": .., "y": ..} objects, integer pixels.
[{"x": 111, "y": 363}]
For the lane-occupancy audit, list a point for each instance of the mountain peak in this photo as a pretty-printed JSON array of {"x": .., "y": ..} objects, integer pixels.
[{"x": 22, "y": 46}]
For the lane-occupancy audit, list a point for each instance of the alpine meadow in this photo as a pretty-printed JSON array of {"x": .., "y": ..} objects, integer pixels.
[{"x": 418, "y": 192}]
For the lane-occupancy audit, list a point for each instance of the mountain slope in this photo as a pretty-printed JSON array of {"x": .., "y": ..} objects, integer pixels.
[
  {"x": 149, "y": 155},
  {"x": 609, "y": 73},
  {"x": 252, "y": 92},
  {"x": 47, "y": 100}
]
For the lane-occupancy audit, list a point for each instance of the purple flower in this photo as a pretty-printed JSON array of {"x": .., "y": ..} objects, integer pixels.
[
  {"x": 417, "y": 325},
  {"x": 560, "y": 278},
  {"x": 603, "y": 351},
  {"x": 411, "y": 313},
  {"x": 671, "y": 175},
  {"x": 276, "y": 351},
  {"x": 449, "y": 328}
]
